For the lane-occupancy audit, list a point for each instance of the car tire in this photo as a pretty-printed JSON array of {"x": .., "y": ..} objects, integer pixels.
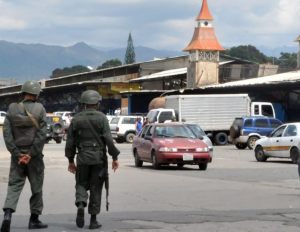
[
  {"x": 155, "y": 163},
  {"x": 180, "y": 165},
  {"x": 251, "y": 142},
  {"x": 58, "y": 140},
  {"x": 260, "y": 154},
  {"x": 202, "y": 166},
  {"x": 119, "y": 140},
  {"x": 294, "y": 154},
  {"x": 221, "y": 138},
  {"x": 234, "y": 131},
  {"x": 129, "y": 137},
  {"x": 241, "y": 146},
  {"x": 137, "y": 162}
]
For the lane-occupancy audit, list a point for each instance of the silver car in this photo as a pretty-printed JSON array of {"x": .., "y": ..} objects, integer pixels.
[{"x": 196, "y": 129}]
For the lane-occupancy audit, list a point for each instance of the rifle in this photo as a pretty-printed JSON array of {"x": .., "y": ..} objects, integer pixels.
[{"x": 103, "y": 175}]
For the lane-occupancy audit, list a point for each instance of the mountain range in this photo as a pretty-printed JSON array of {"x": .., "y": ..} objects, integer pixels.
[{"x": 20, "y": 62}]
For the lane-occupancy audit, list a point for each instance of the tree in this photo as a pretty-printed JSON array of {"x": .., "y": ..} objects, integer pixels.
[
  {"x": 69, "y": 71},
  {"x": 287, "y": 61},
  {"x": 110, "y": 63},
  {"x": 130, "y": 54},
  {"x": 247, "y": 52}
]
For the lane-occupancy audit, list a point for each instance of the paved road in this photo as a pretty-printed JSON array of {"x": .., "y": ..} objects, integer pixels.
[{"x": 236, "y": 193}]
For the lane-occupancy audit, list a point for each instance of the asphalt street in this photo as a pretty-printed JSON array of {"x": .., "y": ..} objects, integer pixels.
[{"x": 235, "y": 194}]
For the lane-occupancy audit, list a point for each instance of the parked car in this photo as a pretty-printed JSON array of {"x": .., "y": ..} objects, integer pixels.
[
  {"x": 170, "y": 143},
  {"x": 284, "y": 142},
  {"x": 66, "y": 117},
  {"x": 2, "y": 117},
  {"x": 123, "y": 128},
  {"x": 55, "y": 128},
  {"x": 200, "y": 134},
  {"x": 244, "y": 131}
]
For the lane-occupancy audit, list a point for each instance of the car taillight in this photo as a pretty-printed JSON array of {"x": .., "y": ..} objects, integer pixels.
[{"x": 117, "y": 129}]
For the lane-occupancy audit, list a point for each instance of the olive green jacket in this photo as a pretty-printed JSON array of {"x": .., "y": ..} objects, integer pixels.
[
  {"x": 36, "y": 146},
  {"x": 81, "y": 140}
]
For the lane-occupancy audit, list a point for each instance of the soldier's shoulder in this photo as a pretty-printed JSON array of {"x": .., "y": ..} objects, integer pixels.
[{"x": 11, "y": 106}]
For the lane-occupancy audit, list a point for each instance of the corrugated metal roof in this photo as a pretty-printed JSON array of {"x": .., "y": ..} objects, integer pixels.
[
  {"x": 168, "y": 73},
  {"x": 273, "y": 79}
]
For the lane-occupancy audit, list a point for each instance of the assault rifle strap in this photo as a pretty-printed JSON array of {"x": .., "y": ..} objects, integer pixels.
[{"x": 32, "y": 118}]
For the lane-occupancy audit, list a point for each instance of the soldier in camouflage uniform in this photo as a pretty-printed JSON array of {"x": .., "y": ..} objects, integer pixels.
[
  {"x": 88, "y": 136},
  {"x": 24, "y": 132}
]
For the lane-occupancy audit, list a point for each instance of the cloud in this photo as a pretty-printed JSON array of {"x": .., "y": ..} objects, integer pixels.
[
  {"x": 11, "y": 24},
  {"x": 160, "y": 23}
]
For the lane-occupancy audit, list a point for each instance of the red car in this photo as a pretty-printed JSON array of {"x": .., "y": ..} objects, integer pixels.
[{"x": 170, "y": 143}]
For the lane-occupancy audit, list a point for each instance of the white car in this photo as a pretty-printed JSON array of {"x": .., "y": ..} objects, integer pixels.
[
  {"x": 2, "y": 117},
  {"x": 284, "y": 142},
  {"x": 122, "y": 127}
]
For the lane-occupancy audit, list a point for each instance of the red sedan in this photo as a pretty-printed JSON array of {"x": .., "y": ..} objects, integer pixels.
[{"x": 170, "y": 143}]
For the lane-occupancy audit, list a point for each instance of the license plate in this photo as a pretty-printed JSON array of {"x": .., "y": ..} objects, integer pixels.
[{"x": 187, "y": 157}]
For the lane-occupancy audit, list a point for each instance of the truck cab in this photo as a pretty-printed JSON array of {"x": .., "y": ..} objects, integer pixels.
[{"x": 161, "y": 115}]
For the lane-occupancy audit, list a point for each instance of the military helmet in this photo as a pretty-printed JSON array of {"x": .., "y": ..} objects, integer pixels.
[
  {"x": 90, "y": 97},
  {"x": 31, "y": 87}
]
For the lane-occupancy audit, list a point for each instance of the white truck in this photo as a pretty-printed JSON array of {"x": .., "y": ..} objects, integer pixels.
[{"x": 214, "y": 112}]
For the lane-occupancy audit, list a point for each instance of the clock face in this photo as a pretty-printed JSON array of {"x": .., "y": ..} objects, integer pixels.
[{"x": 205, "y": 23}]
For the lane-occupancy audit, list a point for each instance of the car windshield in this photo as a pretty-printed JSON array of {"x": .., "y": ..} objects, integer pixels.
[
  {"x": 152, "y": 116},
  {"x": 172, "y": 131},
  {"x": 196, "y": 130}
]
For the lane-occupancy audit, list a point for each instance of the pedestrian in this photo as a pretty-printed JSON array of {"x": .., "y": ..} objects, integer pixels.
[
  {"x": 138, "y": 125},
  {"x": 24, "y": 132},
  {"x": 88, "y": 136}
]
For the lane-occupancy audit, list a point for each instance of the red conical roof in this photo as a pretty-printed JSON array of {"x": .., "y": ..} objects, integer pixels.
[
  {"x": 204, "y": 39},
  {"x": 204, "y": 12}
]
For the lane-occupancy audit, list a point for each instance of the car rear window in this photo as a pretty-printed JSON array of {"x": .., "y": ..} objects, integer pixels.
[
  {"x": 238, "y": 122},
  {"x": 248, "y": 123},
  {"x": 115, "y": 120}
]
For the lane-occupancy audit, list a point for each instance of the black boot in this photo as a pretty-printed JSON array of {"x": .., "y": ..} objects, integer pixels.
[
  {"x": 93, "y": 223},
  {"x": 6, "y": 220},
  {"x": 35, "y": 223},
  {"x": 80, "y": 215}
]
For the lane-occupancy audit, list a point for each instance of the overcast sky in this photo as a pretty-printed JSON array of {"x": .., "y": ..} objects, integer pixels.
[{"x": 159, "y": 24}]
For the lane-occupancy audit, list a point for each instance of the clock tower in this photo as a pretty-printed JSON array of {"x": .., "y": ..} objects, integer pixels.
[{"x": 203, "y": 51}]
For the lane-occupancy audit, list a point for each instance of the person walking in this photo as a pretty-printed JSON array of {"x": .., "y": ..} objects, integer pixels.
[
  {"x": 24, "y": 133},
  {"x": 88, "y": 136},
  {"x": 138, "y": 125}
]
